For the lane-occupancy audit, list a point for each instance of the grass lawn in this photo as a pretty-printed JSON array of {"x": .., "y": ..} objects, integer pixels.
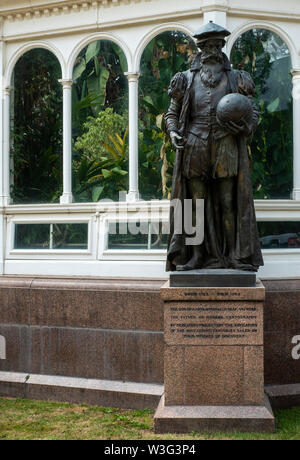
[{"x": 22, "y": 419}]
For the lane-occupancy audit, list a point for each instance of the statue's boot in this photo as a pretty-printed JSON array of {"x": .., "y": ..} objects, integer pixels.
[
  {"x": 213, "y": 264},
  {"x": 195, "y": 262},
  {"x": 239, "y": 265},
  {"x": 246, "y": 267}
]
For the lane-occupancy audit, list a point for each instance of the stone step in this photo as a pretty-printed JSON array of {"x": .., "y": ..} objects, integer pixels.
[
  {"x": 107, "y": 393},
  {"x": 283, "y": 396}
]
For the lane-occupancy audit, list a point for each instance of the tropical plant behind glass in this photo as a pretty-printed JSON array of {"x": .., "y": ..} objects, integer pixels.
[
  {"x": 102, "y": 168},
  {"x": 265, "y": 56},
  {"x": 36, "y": 129},
  {"x": 100, "y": 119},
  {"x": 99, "y": 82},
  {"x": 165, "y": 55}
]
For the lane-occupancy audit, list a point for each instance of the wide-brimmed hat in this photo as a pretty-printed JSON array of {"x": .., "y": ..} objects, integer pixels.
[{"x": 211, "y": 31}]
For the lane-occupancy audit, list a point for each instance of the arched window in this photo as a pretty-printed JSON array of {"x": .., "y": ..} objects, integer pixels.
[
  {"x": 100, "y": 122},
  {"x": 36, "y": 128},
  {"x": 168, "y": 53},
  {"x": 266, "y": 57}
]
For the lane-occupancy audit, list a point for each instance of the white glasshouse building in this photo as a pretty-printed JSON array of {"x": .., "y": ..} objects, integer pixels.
[{"x": 65, "y": 28}]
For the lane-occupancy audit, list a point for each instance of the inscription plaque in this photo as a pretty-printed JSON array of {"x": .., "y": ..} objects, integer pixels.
[{"x": 213, "y": 323}]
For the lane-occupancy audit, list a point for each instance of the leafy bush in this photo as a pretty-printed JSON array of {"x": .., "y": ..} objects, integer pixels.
[
  {"x": 96, "y": 131},
  {"x": 102, "y": 166}
]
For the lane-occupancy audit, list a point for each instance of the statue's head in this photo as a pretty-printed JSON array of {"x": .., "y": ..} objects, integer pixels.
[
  {"x": 211, "y": 50},
  {"x": 210, "y": 40}
]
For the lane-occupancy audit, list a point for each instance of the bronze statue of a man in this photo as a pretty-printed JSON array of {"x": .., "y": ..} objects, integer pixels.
[{"x": 212, "y": 161}]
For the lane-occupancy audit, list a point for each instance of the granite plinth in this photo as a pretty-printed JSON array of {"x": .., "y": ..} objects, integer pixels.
[
  {"x": 213, "y": 278},
  {"x": 185, "y": 419},
  {"x": 214, "y": 360}
]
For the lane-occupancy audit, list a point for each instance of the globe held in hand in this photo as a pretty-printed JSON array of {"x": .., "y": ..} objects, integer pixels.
[{"x": 234, "y": 107}]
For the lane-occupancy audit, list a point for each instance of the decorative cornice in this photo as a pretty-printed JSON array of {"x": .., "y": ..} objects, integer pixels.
[
  {"x": 56, "y": 8},
  {"x": 52, "y": 9},
  {"x": 67, "y": 6}
]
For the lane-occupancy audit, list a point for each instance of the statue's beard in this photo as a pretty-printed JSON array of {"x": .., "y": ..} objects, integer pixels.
[{"x": 211, "y": 70}]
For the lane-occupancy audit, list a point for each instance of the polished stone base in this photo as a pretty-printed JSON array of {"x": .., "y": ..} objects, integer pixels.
[
  {"x": 213, "y": 278},
  {"x": 213, "y": 346},
  {"x": 214, "y": 360},
  {"x": 185, "y": 419}
]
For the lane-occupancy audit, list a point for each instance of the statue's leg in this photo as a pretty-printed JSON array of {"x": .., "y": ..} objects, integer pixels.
[
  {"x": 197, "y": 190},
  {"x": 227, "y": 193},
  {"x": 226, "y": 197}
]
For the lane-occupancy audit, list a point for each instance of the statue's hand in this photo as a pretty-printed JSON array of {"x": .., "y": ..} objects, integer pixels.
[
  {"x": 236, "y": 129},
  {"x": 248, "y": 128},
  {"x": 177, "y": 140}
]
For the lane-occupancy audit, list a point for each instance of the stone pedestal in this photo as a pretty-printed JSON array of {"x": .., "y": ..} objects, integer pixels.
[{"x": 214, "y": 364}]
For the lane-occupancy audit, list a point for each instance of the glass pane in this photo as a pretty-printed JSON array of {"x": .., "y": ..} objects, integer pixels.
[
  {"x": 100, "y": 122},
  {"x": 51, "y": 236},
  {"x": 167, "y": 54},
  {"x": 135, "y": 235},
  {"x": 32, "y": 236},
  {"x": 36, "y": 129},
  {"x": 279, "y": 234},
  {"x": 266, "y": 57},
  {"x": 70, "y": 236},
  {"x": 159, "y": 238}
]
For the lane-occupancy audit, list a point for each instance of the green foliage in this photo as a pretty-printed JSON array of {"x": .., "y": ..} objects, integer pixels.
[
  {"x": 96, "y": 131},
  {"x": 36, "y": 132},
  {"x": 265, "y": 56},
  {"x": 100, "y": 118},
  {"x": 165, "y": 55},
  {"x": 99, "y": 82},
  {"x": 261, "y": 53},
  {"x": 101, "y": 168}
]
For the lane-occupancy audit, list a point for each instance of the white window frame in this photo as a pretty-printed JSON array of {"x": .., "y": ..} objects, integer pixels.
[{"x": 12, "y": 253}]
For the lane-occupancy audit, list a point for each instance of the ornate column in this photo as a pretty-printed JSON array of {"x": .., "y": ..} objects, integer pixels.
[
  {"x": 4, "y": 169},
  {"x": 133, "y": 193},
  {"x": 67, "y": 196},
  {"x": 296, "y": 132}
]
